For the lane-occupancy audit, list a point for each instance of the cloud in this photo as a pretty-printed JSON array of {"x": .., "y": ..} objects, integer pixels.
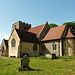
[{"x": 4, "y": 36}]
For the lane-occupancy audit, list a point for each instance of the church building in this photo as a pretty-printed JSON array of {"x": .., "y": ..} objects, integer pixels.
[{"x": 40, "y": 40}]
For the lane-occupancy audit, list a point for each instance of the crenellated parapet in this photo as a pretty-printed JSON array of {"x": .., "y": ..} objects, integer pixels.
[{"x": 21, "y": 25}]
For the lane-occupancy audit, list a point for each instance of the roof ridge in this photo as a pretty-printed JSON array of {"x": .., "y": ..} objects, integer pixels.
[
  {"x": 69, "y": 34},
  {"x": 58, "y": 26},
  {"x": 26, "y": 36},
  {"x": 38, "y": 26},
  {"x": 54, "y": 33},
  {"x": 25, "y": 31}
]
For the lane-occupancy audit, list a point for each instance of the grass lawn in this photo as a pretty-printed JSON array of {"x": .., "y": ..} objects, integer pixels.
[{"x": 41, "y": 66}]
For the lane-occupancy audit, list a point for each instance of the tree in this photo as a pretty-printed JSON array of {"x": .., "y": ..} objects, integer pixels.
[
  {"x": 52, "y": 25},
  {"x": 73, "y": 29},
  {"x": 70, "y": 25}
]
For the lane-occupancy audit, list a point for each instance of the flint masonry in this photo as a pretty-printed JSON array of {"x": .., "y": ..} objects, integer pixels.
[{"x": 40, "y": 40}]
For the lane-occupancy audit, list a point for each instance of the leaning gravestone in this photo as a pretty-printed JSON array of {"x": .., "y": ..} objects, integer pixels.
[{"x": 25, "y": 61}]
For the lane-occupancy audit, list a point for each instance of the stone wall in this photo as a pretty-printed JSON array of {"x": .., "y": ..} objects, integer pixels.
[
  {"x": 27, "y": 48},
  {"x": 3, "y": 44},
  {"x": 49, "y": 47},
  {"x": 21, "y": 47},
  {"x": 21, "y": 25},
  {"x": 69, "y": 49},
  {"x": 13, "y": 51},
  {"x": 4, "y": 49}
]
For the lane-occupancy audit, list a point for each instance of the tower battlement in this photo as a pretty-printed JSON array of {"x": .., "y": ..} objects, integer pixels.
[{"x": 21, "y": 25}]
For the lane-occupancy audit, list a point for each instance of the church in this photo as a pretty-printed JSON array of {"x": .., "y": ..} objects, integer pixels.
[{"x": 40, "y": 40}]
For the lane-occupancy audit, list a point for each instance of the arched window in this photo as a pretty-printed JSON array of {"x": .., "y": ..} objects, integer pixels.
[
  {"x": 13, "y": 42},
  {"x": 54, "y": 47},
  {"x": 35, "y": 47}
]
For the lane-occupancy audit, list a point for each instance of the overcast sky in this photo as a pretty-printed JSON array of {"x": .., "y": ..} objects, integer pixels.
[{"x": 35, "y": 12}]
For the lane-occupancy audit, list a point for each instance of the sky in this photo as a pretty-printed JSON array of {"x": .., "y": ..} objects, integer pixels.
[{"x": 34, "y": 12}]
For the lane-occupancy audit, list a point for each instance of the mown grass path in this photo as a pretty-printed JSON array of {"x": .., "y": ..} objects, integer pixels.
[{"x": 9, "y": 66}]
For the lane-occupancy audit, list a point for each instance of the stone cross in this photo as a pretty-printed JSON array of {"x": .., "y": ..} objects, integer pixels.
[{"x": 25, "y": 61}]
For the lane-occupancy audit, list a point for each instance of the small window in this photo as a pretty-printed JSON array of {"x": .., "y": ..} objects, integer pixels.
[
  {"x": 54, "y": 47},
  {"x": 13, "y": 42},
  {"x": 35, "y": 47},
  {"x": 65, "y": 44}
]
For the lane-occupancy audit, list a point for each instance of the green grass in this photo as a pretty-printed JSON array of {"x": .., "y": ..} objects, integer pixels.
[
  {"x": 41, "y": 66},
  {"x": 66, "y": 57}
]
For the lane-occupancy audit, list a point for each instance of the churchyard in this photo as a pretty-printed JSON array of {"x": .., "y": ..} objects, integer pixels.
[{"x": 39, "y": 65}]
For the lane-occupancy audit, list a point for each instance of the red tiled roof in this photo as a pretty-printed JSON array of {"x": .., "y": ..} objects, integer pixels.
[
  {"x": 69, "y": 34},
  {"x": 27, "y": 36},
  {"x": 36, "y": 30},
  {"x": 54, "y": 33}
]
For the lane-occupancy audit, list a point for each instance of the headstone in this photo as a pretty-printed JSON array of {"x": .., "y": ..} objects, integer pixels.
[
  {"x": 25, "y": 61},
  {"x": 53, "y": 56}
]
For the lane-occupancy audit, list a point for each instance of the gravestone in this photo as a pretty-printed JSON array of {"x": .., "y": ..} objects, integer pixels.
[{"x": 25, "y": 61}]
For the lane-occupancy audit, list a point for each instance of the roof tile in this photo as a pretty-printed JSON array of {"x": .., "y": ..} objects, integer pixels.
[
  {"x": 27, "y": 36},
  {"x": 54, "y": 33},
  {"x": 36, "y": 30},
  {"x": 69, "y": 34}
]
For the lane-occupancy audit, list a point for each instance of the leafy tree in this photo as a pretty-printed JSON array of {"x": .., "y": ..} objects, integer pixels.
[
  {"x": 73, "y": 29},
  {"x": 52, "y": 25},
  {"x": 70, "y": 25}
]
